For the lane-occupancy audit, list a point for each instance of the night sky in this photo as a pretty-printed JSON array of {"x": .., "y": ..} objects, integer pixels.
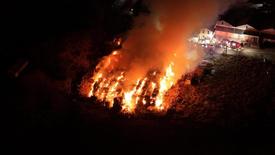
[
  {"x": 257, "y": 13},
  {"x": 28, "y": 23},
  {"x": 24, "y": 22}
]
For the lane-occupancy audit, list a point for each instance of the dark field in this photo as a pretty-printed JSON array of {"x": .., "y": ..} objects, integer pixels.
[{"x": 228, "y": 112}]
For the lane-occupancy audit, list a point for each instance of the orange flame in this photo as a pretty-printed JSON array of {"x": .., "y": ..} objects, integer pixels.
[
  {"x": 108, "y": 83},
  {"x": 165, "y": 83}
]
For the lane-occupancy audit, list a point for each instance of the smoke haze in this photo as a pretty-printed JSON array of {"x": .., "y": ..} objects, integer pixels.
[{"x": 161, "y": 37}]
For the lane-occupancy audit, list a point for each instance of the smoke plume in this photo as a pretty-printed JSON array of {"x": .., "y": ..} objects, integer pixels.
[
  {"x": 155, "y": 55},
  {"x": 161, "y": 37}
]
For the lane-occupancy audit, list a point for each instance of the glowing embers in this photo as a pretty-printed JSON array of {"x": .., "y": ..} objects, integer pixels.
[{"x": 109, "y": 84}]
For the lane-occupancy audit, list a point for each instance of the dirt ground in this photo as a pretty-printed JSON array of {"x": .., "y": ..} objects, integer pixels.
[
  {"x": 229, "y": 111},
  {"x": 223, "y": 113}
]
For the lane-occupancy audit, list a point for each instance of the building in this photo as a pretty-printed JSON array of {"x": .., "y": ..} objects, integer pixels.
[
  {"x": 268, "y": 35},
  {"x": 205, "y": 36},
  {"x": 245, "y": 34}
]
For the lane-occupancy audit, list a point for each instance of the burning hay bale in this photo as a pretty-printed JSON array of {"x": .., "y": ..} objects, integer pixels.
[
  {"x": 147, "y": 93},
  {"x": 152, "y": 59}
]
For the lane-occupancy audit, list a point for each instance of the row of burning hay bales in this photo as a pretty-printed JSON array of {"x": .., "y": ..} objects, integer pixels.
[
  {"x": 184, "y": 88},
  {"x": 239, "y": 91}
]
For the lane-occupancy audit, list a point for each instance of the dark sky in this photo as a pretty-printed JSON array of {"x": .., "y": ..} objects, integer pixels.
[
  {"x": 248, "y": 13},
  {"x": 28, "y": 21},
  {"x": 46, "y": 17}
]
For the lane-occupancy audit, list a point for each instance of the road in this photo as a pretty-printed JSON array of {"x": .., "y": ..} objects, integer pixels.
[
  {"x": 260, "y": 53},
  {"x": 268, "y": 53}
]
